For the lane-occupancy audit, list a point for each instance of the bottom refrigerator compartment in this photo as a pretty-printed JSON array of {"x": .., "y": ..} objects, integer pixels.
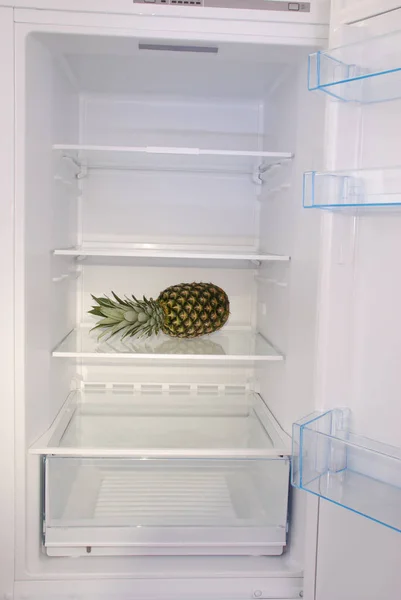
[{"x": 165, "y": 506}]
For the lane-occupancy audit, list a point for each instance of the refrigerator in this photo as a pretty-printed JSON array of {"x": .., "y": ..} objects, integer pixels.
[{"x": 253, "y": 145}]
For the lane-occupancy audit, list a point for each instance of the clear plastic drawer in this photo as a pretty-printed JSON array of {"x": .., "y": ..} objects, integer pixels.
[{"x": 165, "y": 506}]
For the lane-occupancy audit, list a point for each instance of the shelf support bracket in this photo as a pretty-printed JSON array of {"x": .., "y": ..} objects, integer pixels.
[
  {"x": 83, "y": 172},
  {"x": 256, "y": 176},
  {"x": 266, "y": 167}
]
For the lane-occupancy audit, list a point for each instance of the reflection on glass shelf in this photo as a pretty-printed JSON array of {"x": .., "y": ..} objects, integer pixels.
[
  {"x": 196, "y": 506},
  {"x": 359, "y": 474},
  {"x": 190, "y": 424},
  {"x": 358, "y": 189},
  {"x": 155, "y": 158},
  {"x": 365, "y": 72},
  {"x": 225, "y": 345}
]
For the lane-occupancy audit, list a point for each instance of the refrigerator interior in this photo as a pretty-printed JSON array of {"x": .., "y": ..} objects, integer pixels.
[{"x": 97, "y": 212}]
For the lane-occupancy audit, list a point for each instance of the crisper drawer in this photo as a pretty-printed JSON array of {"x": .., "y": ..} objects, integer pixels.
[{"x": 165, "y": 506}]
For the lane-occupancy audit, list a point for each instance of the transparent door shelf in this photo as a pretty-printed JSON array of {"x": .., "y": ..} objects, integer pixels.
[
  {"x": 118, "y": 422},
  {"x": 365, "y": 72},
  {"x": 154, "y": 158},
  {"x": 225, "y": 345},
  {"x": 238, "y": 257},
  {"x": 158, "y": 506},
  {"x": 358, "y": 189},
  {"x": 359, "y": 474}
]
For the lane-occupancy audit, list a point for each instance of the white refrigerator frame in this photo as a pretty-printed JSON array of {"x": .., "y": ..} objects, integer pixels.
[{"x": 78, "y": 15}]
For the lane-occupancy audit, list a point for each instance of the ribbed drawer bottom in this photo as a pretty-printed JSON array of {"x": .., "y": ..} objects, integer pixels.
[{"x": 177, "y": 496}]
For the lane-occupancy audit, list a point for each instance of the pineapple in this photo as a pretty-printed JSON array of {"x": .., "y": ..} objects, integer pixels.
[{"x": 186, "y": 310}]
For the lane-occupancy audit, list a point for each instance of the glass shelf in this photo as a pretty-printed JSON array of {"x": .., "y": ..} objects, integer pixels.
[
  {"x": 226, "y": 345},
  {"x": 172, "y": 506},
  {"x": 153, "y": 158},
  {"x": 358, "y": 189},
  {"x": 170, "y": 423},
  {"x": 359, "y": 474},
  {"x": 158, "y": 254},
  {"x": 365, "y": 72}
]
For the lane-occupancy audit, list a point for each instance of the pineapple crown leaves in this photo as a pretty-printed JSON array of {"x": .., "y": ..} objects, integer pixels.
[{"x": 129, "y": 316}]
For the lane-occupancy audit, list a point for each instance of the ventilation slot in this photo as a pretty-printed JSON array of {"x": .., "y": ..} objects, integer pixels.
[
  {"x": 175, "y": 2},
  {"x": 170, "y": 48},
  {"x": 186, "y": 2}
]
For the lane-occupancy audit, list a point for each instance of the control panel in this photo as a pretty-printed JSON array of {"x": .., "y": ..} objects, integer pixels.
[{"x": 276, "y": 5}]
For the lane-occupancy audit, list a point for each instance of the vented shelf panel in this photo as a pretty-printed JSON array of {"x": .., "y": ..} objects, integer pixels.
[
  {"x": 353, "y": 190},
  {"x": 159, "y": 255},
  {"x": 154, "y": 158},
  {"x": 165, "y": 506},
  {"x": 364, "y": 72},
  {"x": 177, "y": 424},
  {"x": 354, "y": 472},
  {"x": 225, "y": 345}
]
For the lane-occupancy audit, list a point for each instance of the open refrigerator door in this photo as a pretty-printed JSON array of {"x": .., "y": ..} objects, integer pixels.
[
  {"x": 355, "y": 435},
  {"x": 347, "y": 12}
]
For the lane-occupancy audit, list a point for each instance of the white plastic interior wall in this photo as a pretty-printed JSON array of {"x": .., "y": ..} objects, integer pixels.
[{"x": 84, "y": 89}]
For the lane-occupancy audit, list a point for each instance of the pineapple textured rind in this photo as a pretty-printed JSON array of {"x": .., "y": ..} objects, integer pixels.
[{"x": 193, "y": 309}]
